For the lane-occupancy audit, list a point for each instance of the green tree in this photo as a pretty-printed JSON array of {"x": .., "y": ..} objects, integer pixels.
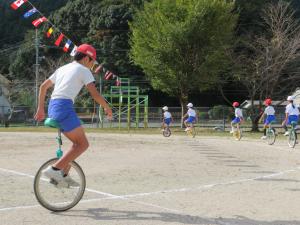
[{"x": 181, "y": 45}]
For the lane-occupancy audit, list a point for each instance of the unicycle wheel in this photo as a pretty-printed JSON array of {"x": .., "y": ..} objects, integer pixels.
[
  {"x": 271, "y": 136},
  {"x": 55, "y": 196},
  {"x": 292, "y": 139},
  {"x": 167, "y": 132}
]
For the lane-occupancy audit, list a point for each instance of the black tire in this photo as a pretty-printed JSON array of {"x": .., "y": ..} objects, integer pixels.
[
  {"x": 167, "y": 132},
  {"x": 41, "y": 183},
  {"x": 271, "y": 136},
  {"x": 292, "y": 139}
]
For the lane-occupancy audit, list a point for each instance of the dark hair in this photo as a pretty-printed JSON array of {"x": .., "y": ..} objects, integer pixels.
[
  {"x": 293, "y": 105},
  {"x": 79, "y": 56}
]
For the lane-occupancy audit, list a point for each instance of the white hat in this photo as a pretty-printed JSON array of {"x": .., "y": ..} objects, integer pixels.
[
  {"x": 190, "y": 105},
  {"x": 165, "y": 108},
  {"x": 290, "y": 98}
]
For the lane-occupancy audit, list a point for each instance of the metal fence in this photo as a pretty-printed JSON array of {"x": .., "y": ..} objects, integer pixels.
[{"x": 217, "y": 117}]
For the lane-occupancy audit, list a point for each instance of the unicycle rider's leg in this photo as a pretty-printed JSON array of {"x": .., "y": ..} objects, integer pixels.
[{"x": 80, "y": 144}]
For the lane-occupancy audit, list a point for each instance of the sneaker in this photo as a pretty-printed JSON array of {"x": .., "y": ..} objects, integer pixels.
[
  {"x": 52, "y": 174},
  {"x": 286, "y": 133},
  {"x": 186, "y": 129},
  {"x": 71, "y": 182},
  {"x": 263, "y": 137},
  {"x": 231, "y": 132}
]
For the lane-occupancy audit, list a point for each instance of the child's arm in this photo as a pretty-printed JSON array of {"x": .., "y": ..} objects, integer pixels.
[
  {"x": 99, "y": 99},
  {"x": 185, "y": 115},
  {"x": 40, "y": 113}
]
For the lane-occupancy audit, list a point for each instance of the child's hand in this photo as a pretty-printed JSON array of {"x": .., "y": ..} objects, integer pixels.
[
  {"x": 108, "y": 112},
  {"x": 40, "y": 114}
]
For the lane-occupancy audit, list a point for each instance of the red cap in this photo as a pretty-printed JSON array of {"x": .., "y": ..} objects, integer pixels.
[
  {"x": 235, "y": 104},
  {"x": 268, "y": 101},
  {"x": 87, "y": 50}
]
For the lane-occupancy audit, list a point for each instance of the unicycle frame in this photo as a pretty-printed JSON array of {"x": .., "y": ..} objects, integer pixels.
[
  {"x": 237, "y": 132},
  {"x": 292, "y": 138},
  {"x": 191, "y": 131},
  {"x": 270, "y": 133},
  {"x": 38, "y": 177}
]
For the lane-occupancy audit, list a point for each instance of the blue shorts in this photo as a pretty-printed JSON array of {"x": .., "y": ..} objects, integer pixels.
[
  {"x": 63, "y": 112},
  {"x": 269, "y": 119},
  {"x": 292, "y": 118},
  {"x": 191, "y": 119},
  {"x": 236, "y": 120},
  {"x": 167, "y": 121}
]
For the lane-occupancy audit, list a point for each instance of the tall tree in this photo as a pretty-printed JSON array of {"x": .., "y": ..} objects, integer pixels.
[
  {"x": 269, "y": 63},
  {"x": 181, "y": 45}
]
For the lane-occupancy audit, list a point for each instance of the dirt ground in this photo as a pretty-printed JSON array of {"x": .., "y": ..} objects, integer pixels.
[{"x": 151, "y": 180}]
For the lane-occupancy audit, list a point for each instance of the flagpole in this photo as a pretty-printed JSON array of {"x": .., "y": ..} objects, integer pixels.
[{"x": 36, "y": 69}]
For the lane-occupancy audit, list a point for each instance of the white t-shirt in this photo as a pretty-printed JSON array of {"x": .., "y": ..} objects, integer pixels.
[
  {"x": 69, "y": 79},
  {"x": 270, "y": 111},
  {"x": 238, "y": 113},
  {"x": 191, "y": 112},
  {"x": 167, "y": 115},
  {"x": 292, "y": 111}
]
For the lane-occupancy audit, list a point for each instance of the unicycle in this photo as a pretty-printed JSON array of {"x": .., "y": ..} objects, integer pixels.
[
  {"x": 292, "y": 138},
  {"x": 271, "y": 136},
  {"x": 191, "y": 131},
  {"x": 237, "y": 133},
  {"x": 60, "y": 196},
  {"x": 166, "y": 132}
]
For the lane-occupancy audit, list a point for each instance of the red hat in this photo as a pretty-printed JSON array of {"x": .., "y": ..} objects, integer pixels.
[
  {"x": 235, "y": 104},
  {"x": 87, "y": 50},
  {"x": 268, "y": 101}
]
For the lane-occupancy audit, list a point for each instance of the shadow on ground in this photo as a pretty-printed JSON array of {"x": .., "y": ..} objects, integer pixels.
[{"x": 102, "y": 214}]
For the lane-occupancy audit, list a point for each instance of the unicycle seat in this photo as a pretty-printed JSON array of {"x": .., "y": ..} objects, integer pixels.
[
  {"x": 293, "y": 123},
  {"x": 51, "y": 123}
]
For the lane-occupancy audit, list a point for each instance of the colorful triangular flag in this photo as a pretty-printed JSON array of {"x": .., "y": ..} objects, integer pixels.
[
  {"x": 67, "y": 45},
  {"x": 38, "y": 21},
  {"x": 30, "y": 12},
  {"x": 73, "y": 52},
  {"x": 108, "y": 75},
  {"x": 49, "y": 32},
  {"x": 59, "y": 39},
  {"x": 99, "y": 68},
  {"x": 15, "y": 5}
]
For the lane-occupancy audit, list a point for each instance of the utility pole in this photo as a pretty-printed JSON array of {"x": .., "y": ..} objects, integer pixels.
[{"x": 37, "y": 44}]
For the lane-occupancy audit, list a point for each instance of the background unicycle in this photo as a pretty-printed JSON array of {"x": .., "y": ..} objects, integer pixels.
[
  {"x": 60, "y": 196},
  {"x": 191, "y": 131},
  {"x": 237, "y": 134},
  {"x": 271, "y": 136},
  {"x": 167, "y": 132},
  {"x": 292, "y": 138}
]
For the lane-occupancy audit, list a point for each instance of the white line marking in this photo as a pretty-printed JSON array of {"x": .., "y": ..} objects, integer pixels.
[
  {"x": 126, "y": 197},
  {"x": 111, "y": 196}
]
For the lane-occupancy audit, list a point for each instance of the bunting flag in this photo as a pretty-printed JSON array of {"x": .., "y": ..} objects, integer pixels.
[
  {"x": 30, "y": 12},
  {"x": 59, "y": 40},
  {"x": 108, "y": 75},
  {"x": 73, "y": 52},
  {"x": 98, "y": 69},
  {"x": 49, "y": 32},
  {"x": 38, "y": 21},
  {"x": 67, "y": 45},
  {"x": 15, "y": 5}
]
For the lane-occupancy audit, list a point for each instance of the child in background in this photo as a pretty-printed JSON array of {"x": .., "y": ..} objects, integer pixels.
[
  {"x": 291, "y": 114},
  {"x": 270, "y": 116},
  {"x": 238, "y": 116},
  {"x": 167, "y": 117},
  {"x": 191, "y": 116}
]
